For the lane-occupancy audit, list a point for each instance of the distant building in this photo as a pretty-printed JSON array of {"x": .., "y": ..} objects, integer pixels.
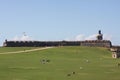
[
  {"x": 92, "y": 43},
  {"x": 115, "y": 51}
]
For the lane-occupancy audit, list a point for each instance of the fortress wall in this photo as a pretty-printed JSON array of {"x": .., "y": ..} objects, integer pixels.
[
  {"x": 96, "y": 43},
  {"x": 92, "y": 43}
]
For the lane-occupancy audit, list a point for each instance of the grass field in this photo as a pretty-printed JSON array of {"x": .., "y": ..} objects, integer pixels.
[{"x": 59, "y": 63}]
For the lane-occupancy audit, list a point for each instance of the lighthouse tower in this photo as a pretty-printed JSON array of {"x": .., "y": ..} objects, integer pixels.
[{"x": 100, "y": 35}]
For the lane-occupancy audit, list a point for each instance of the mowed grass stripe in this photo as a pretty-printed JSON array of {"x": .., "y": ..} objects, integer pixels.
[
  {"x": 11, "y": 49},
  {"x": 25, "y": 50}
]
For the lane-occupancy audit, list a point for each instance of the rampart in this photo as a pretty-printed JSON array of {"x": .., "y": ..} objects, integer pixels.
[{"x": 92, "y": 43}]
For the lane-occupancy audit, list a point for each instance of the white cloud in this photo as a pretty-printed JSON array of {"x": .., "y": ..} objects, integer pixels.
[
  {"x": 107, "y": 37},
  {"x": 80, "y": 37},
  {"x": 25, "y": 38},
  {"x": 15, "y": 38},
  {"x": 22, "y": 38},
  {"x": 91, "y": 37},
  {"x": 67, "y": 39}
]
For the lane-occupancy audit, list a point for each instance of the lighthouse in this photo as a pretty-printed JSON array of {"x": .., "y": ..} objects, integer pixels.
[{"x": 100, "y": 35}]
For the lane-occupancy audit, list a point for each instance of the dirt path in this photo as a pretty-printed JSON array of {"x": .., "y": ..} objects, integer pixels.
[{"x": 26, "y": 50}]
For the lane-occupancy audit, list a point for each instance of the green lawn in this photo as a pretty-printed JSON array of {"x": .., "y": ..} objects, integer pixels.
[{"x": 88, "y": 63}]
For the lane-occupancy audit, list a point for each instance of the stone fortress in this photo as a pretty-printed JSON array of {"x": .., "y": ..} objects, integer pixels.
[
  {"x": 96, "y": 43},
  {"x": 99, "y": 42}
]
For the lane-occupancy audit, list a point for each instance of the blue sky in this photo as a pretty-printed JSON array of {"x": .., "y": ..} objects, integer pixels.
[{"x": 59, "y": 19}]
